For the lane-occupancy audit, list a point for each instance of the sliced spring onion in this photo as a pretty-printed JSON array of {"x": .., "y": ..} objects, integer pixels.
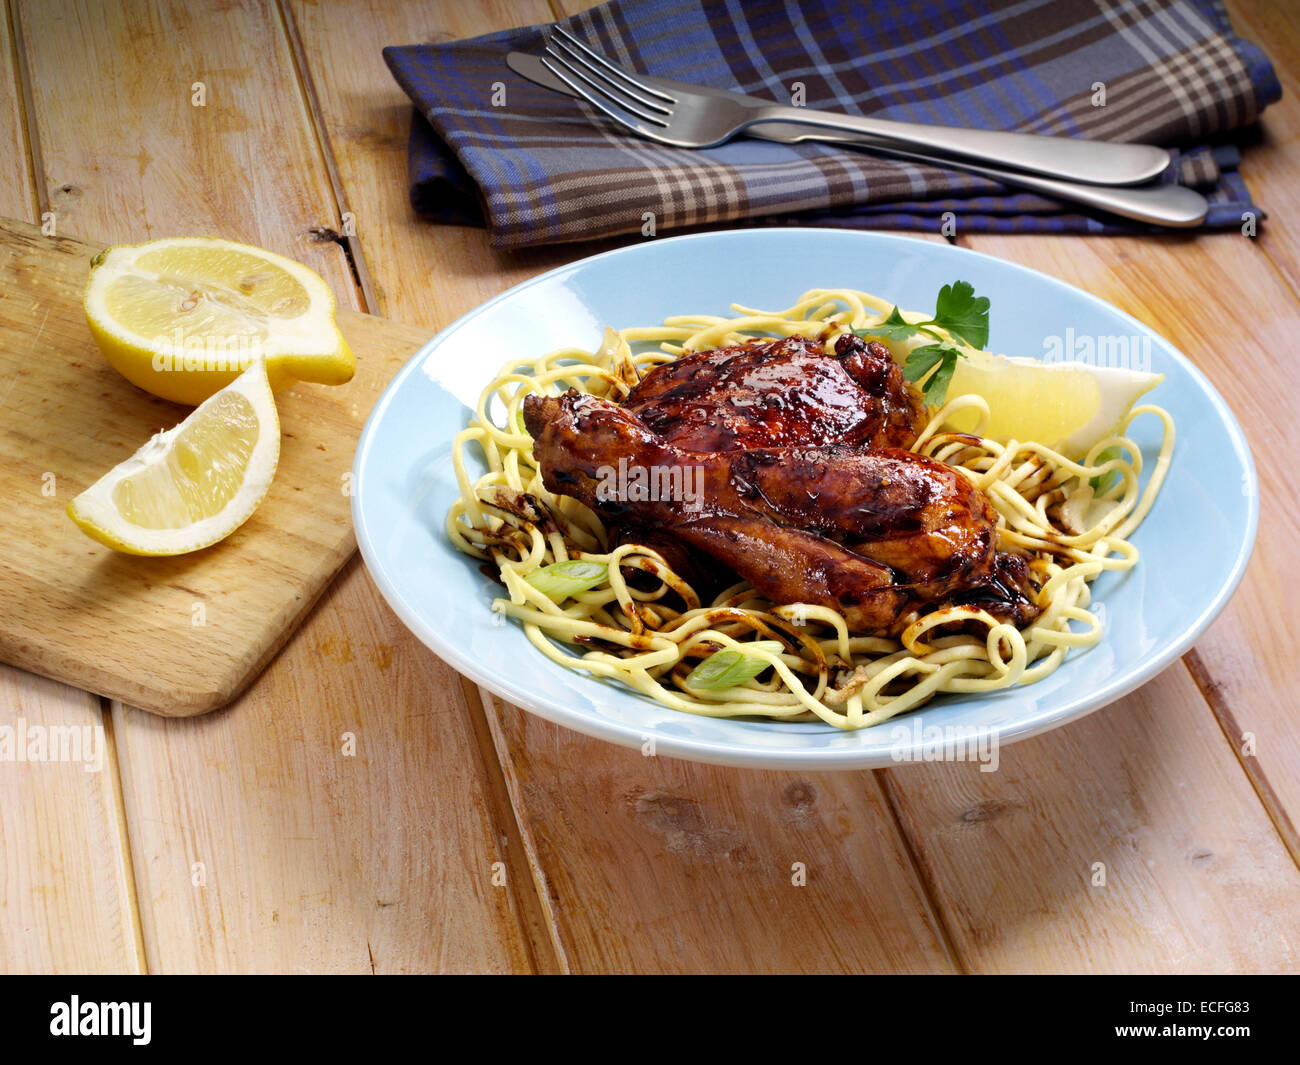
[
  {"x": 727, "y": 668},
  {"x": 1102, "y": 482},
  {"x": 560, "y": 580}
]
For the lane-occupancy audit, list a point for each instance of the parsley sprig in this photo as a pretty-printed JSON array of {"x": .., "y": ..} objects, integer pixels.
[{"x": 958, "y": 311}]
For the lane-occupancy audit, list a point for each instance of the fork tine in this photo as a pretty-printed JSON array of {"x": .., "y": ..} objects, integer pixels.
[
  {"x": 595, "y": 94},
  {"x": 599, "y": 71},
  {"x": 615, "y": 72},
  {"x": 579, "y": 67},
  {"x": 588, "y": 94}
]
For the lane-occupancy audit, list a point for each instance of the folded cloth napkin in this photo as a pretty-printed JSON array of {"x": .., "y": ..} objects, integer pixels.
[{"x": 537, "y": 167}]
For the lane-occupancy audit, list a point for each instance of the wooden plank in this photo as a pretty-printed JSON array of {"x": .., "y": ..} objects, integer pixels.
[
  {"x": 17, "y": 193},
  {"x": 445, "y": 270},
  {"x": 66, "y": 898},
  {"x": 311, "y": 859},
  {"x": 265, "y": 846},
  {"x": 1126, "y": 842},
  {"x": 73, "y": 609},
  {"x": 654, "y": 865},
  {"x": 639, "y": 861},
  {"x": 244, "y": 164}
]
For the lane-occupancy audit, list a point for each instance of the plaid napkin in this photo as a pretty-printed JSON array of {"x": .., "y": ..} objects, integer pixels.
[{"x": 537, "y": 167}]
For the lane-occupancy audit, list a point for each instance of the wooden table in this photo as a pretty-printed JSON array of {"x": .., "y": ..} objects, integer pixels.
[{"x": 466, "y": 834}]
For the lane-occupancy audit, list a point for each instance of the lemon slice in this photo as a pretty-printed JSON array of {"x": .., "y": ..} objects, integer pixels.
[
  {"x": 184, "y": 316},
  {"x": 194, "y": 484}
]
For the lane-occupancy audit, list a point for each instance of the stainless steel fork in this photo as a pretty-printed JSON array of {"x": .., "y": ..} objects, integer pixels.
[
  {"x": 686, "y": 118},
  {"x": 1161, "y": 204}
]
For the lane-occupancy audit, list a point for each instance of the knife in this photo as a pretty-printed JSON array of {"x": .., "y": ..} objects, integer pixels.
[{"x": 1157, "y": 203}]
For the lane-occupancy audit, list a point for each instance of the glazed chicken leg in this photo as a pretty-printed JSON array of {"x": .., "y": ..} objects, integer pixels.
[
  {"x": 873, "y": 534},
  {"x": 768, "y": 394}
]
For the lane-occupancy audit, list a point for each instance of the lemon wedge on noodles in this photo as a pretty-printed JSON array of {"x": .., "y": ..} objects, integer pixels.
[
  {"x": 183, "y": 317},
  {"x": 194, "y": 484},
  {"x": 1068, "y": 406}
]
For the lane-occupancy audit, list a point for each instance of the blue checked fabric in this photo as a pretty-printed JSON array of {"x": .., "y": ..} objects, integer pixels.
[{"x": 537, "y": 167}]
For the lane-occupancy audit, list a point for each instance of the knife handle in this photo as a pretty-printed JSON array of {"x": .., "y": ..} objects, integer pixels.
[
  {"x": 1162, "y": 205},
  {"x": 1064, "y": 158}
]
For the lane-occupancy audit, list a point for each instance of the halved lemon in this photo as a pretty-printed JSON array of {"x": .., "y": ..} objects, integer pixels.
[
  {"x": 182, "y": 317},
  {"x": 194, "y": 484}
]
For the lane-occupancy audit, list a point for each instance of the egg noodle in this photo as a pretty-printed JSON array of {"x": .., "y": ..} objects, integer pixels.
[{"x": 652, "y": 631}]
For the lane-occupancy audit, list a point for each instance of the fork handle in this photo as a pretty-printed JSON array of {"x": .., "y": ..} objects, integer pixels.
[{"x": 1066, "y": 158}]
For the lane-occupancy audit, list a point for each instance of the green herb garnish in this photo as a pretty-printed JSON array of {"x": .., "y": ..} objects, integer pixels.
[
  {"x": 726, "y": 669},
  {"x": 895, "y": 327},
  {"x": 958, "y": 311},
  {"x": 942, "y": 358},
  {"x": 560, "y": 580},
  {"x": 1103, "y": 481}
]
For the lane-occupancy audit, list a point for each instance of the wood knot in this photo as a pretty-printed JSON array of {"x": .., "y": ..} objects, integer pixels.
[
  {"x": 681, "y": 822},
  {"x": 989, "y": 810},
  {"x": 801, "y": 797}
]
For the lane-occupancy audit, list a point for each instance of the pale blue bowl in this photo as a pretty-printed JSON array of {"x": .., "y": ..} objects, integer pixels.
[{"x": 1195, "y": 543}]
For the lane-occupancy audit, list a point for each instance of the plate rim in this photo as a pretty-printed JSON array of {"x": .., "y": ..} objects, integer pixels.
[{"x": 790, "y": 758}]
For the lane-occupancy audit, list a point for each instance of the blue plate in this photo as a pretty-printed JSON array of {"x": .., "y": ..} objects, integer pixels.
[{"x": 1195, "y": 542}]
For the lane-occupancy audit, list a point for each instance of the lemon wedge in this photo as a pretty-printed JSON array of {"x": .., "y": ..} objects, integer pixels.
[
  {"x": 183, "y": 317},
  {"x": 1068, "y": 406},
  {"x": 194, "y": 484}
]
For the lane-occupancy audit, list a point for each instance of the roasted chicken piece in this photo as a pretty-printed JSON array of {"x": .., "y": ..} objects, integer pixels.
[
  {"x": 768, "y": 394},
  {"x": 872, "y": 534},
  {"x": 778, "y": 394}
]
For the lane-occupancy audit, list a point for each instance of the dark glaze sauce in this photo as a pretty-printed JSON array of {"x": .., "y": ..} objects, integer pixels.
[{"x": 780, "y": 393}]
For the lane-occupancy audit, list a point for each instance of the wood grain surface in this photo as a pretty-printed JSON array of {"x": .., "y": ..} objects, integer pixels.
[
  {"x": 464, "y": 834},
  {"x": 721, "y": 844},
  {"x": 414, "y": 890},
  {"x": 67, "y": 894}
]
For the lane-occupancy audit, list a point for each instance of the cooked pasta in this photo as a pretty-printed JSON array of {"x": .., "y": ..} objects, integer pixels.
[{"x": 1072, "y": 519}]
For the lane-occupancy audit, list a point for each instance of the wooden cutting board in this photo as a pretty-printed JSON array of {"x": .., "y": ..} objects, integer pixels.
[{"x": 179, "y": 635}]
